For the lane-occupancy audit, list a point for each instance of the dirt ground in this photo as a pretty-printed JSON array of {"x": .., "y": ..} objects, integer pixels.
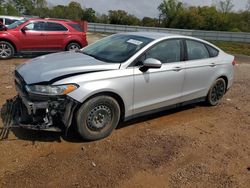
[{"x": 195, "y": 146}]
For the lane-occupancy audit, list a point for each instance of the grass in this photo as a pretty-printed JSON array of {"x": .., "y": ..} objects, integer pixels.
[{"x": 233, "y": 47}]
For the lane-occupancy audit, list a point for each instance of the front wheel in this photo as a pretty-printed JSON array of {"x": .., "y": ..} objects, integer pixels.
[
  {"x": 97, "y": 117},
  {"x": 216, "y": 92},
  {"x": 6, "y": 50}
]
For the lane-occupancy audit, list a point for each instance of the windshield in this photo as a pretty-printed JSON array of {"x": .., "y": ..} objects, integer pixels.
[
  {"x": 16, "y": 24},
  {"x": 116, "y": 48}
]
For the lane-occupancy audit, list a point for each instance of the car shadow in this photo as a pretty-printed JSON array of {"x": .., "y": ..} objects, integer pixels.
[
  {"x": 71, "y": 134},
  {"x": 156, "y": 115}
]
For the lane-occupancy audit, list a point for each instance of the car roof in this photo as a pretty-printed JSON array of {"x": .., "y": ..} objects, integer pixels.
[
  {"x": 51, "y": 19},
  {"x": 12, "y": 17},
  {"x": 58, "y": 19},
  {"x": 153, "y": 35}
]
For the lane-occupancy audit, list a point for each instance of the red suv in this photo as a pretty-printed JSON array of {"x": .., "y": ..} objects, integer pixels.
[{"x": 41, "y": 35}]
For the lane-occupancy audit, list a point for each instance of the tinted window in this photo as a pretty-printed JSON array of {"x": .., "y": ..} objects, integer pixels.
[
  {"x": 51, "y": 26},
  {"x": 168, "y": 51},
  {"x": 1, "y": 20},
  {"x": 9, "y": 21},
  {"x": 196, "y": 50},
  {"x": 212, "y": 51},
  {"x": 76, "y": 27},
  {"x": 35, "y": 26}
]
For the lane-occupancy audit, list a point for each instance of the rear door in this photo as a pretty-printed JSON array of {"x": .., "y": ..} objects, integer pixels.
[
  {"x": 161, "y": 87},
  {"x": 200, "y": 70},
  {"x": 56, "y": 34}
]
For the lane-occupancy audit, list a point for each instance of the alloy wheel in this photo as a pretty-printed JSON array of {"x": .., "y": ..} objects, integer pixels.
[{"x": 5, "y": 51}]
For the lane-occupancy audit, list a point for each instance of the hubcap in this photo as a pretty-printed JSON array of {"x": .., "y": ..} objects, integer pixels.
[
  {"x": 73, "y": 47},
  {"x": 218, "y": 91},
  {"x": 99, "y": 117},
  {"x": 5, "y": 50}
]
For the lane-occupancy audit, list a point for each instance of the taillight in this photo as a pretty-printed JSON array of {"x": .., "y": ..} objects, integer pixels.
[{"x": 234, "y": 62}]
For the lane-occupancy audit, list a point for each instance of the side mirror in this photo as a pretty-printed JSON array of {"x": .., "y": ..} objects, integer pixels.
[
  {"x": 24, "y": 29},
  {"x": 150, "y": 63}
]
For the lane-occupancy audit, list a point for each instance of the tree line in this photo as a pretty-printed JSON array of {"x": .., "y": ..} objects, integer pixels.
[{"x": 172, "y": 14}]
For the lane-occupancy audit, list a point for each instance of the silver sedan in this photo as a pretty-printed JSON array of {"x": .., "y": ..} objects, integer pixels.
[{"x": 118, "y": 78}]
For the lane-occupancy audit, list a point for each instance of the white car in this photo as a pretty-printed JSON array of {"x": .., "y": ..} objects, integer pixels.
[{"x": 7, "y": 20}]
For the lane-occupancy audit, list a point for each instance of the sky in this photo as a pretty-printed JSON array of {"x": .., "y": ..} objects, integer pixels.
[{"x": 139, "y": 8}]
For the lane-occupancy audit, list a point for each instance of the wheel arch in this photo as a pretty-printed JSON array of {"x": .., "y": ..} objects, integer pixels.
[
  {"x": 224, "y": 78},
  {"x": 114, "y": 95}
]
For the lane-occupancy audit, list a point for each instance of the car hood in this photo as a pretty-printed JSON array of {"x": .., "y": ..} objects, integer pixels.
[{"x": 48, "y": 67}]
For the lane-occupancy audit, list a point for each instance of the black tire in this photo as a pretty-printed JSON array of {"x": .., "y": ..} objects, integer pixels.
[
  {"x": 6, "y": 50},
  {"x": 216, "y": 92},
  {"x": 97, "y": 118},
  {"x": 73, "y": 46}
]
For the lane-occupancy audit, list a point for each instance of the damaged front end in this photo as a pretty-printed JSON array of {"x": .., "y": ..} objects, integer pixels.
[{"x": 38, "y": 112}]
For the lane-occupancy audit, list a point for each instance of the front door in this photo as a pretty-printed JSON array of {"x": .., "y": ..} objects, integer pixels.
[
  {"x": 161, "y": 87},
  {"x": 33, "y": 38}
]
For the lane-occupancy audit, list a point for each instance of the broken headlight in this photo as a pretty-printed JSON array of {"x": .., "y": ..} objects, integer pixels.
[{"x": 50, "y": 89}]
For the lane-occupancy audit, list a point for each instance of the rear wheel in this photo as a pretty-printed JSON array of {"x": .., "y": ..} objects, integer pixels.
[
  {"x": 6, "y": 50},
  {"x": 97, "y": 118},
  {"x": 73, "y": 46},
  {"x": 216, "y": 92}
]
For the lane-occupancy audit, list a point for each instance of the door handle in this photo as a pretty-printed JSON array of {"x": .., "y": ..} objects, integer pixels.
[
  {"x": 212, "y": 65},
  {"x": 177, "y": 69}
]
